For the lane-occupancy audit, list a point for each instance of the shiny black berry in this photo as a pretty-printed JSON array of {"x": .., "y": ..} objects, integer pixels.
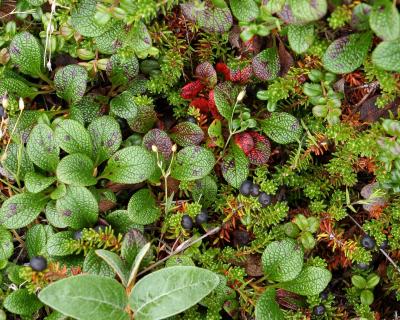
[
  {"x": 245, "y": 188},
  {"x": 367, "y": 242},
  {"x": 78, "y": 235},
  {"x": 264, "y": 199},
  {"x": 99, "y": 228},
  {"x": 255, "y": 190},
  {"x": 191, "y": 119},
  {"x": 202, "y": 217},
  {"x": 324, "y": 295},
  {"x": 38, "y": 263},
  {"x": 362, "y": 266},
  {"x": 319, "y": 310},
  {"x": 187, "y": 222}
]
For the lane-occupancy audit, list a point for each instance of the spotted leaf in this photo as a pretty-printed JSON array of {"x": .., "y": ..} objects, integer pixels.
[
  {"x": 142, "y": 208},
  {"x": 384, "y": 20},
  {"x": 70, "y": 82},
  {"x": 160, "y": 139},
  {"x": 187, "y": 133},
  {"x": 301, "y": 37},
  {"x": 282, "y": 127},
  {"x": 387, "y": 55},
  {"x": 235, "y": 166},
  {"x": 225, "y": 95},
  {"x": 266, "y": 64},
  {"x": 124, "y": 106},
  {"x": 77, "y": 170},
  {"x": 122, "y": 69},
  {"x": 244, "y": 10}
]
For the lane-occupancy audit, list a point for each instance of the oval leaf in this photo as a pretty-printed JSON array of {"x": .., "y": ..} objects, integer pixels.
[{"x": 70, "y": 82}]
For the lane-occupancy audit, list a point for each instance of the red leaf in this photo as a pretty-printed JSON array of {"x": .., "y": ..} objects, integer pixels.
[
  {"x": 223, "y": 68},
  {"x": 241, "y": 75},
  {"x": 200, "y": 103},
  {"x": 192, "y": 89},
  {"x": 245, "y": 142}
]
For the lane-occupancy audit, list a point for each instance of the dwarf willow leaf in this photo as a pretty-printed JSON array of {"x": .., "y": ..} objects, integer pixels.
[
  {"x": 273, "y": 6},
  {"x": 42, "y": 147},
  {"x": 93, "y": 264},
  {"x": 205, "y": 191},
  {"x": 77, "y": 170},
  {"x": 59, "y": 244},
  {"x": 267, "y": 308},
  {"x": 122, "y": 69},
  {"x": 139, "y": 38},
  {"x": 106, "y": 136},
  {"x": 73, "y": 137},
  {"x": 83, "y": 21},
  {"x": 124, "y": 106},
  {"x": 22, "y": 302},
  {"x": 161, "y": 140},
  {"x": 170, "y": 291},
  {"x": 87, "y": 297},
  {"x": 53, "y": 216},
  {"x": 266, "y": 64},
  {"x": 192, "y": 163},
  {"x": 387, "y": 55},
  {"x": 300, "y": 37},
  {"x": 78, "y": 208},
  {"x": 142, "y": 208},
  {"x": 384, "y": 20},
  {"x": 144, "y": 119},
  {"x": 346, "y": 54},
  {"x": 120, "y": 222},
  {"x": 307, "y": 11},
  {"x": 113, "y": 39},
  {"x": 132, "y": 244},
  {"x": 282, "y": 260},
  {"x": 36, "y": 3},
  {"x": 13, "y": 83},
  {"x": 21, "y": 209},
  {"x": 24, "y": 126},
  {"x": 311, "y": 281},
  {"x": 282, "y": 127},
  {"x": 186, "y": 134},
  {"x": 17, "y": 163},
  {"x": 6, "y": 244},
  {"x": 244, "y": 10},
  {"x": 225, "y": 95},
  {"x": 36, "y": 239},
  {"x": 70, "y": 82},
  {"x": 36, "y": 182},
  {"x": 27, "y": 53},
  {"x": 130, "y": 165},
  {"x": 235, "y": 166},
  {"x": 85, "y": 110}
]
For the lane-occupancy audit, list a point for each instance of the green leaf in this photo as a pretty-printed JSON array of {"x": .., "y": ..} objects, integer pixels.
[
  {"x": 113, "y": 39},
  {"x": 122, "y": 69},
  {"x": 274, "y": 6},
  {"x": 192, "y": 163},
  {"x": 22, "y": 302},
  {"x": 139, "y": 38},
  {"x": 53, "y": 216},
  {"x": 87, "y": 297},
  {"x": 311, "y": 281},
  {"x": 116, "y": 263},
  {"x": 17, "y": 163},
  {"x": 266, "y": 64},
  {"x": 130, "y": 165},
  {"x": 244, "y": 10},
  {"x": 6, "y": 244},
  {"x": 132, "y": 244},
  {"x": 77, "y": 170},
  {"x": 124, "y": 106},
  {"x": 85, "y": 110},
  {"x": 120, "y": 222},
  {"x": 186, "y": 134},
  {"x": 205, "y": 191},
  {"x": 301, "y": 37},
  {"x": 12, "y": 83},
  {"x": 366, "y": 297},
  {"x": 36, "y": 3},
  {"x": 282, "y": 260},
  {"x": 170, "y": 291},
  {"x": 384, "y": 20},
  {"x": 78, "y": 207},
  {"x": 70, "y": 82},
  {"x": 27, "y": 53},
  {"x": 42, "y": 147},
  {"x": 235, "y": 166},
  {"x": 215, "y": 133},
  {"x": 21, "y": 209},
  {"x": 387, "y": 56},
  {"x": 74, "y": 138},
  {"x": 93, "y": 264},
  {"x": 59, "y": 244},
  {"x": 346, "y": 54},
  {"x": 24, "y": 126},
  {"x": 225, "y": 95},
  {"x": 142, "y": 208},
  {"x": 36, "y": 182},
  {"x": 267, "y": 308},
  {"x": 83, "y": 21},
  {"x": 144, "y": 119},
  {"x": 282, "y": 127},
  {"x": 36, "y": 239},
  {"x": 136, "y": 264},
  {"x": 160, "y": 139},
  {"x": 307, "y": 11},
  {"x": 106, "y": 136}
]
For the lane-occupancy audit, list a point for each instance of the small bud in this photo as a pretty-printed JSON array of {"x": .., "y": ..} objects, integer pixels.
[
  {"x": 48, "y": 65},
  {"x": 4, "y": 56},
  {"x": 154, "y": 148},
  {"x": 174, "y": 147},
  {"x": 21, "y": 104},
  {"x": 53, "y": 6},
  {"x": 241, "y": 95},
  {"x": 4, "y": 102}
]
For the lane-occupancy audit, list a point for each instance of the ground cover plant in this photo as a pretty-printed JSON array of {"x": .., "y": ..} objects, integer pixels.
[{"x": 219, "y": 159}]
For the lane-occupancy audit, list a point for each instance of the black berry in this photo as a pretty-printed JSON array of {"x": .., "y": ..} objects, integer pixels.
[
  {"x": 264, "y": 199},
  {"x": 78, "y": 235},
  {"x": 384, "y": 245},
  {"x": 202, "y": 217},
  {"x": 367, "y": 242},
  {"x": 191, "y": 119},
  {"x": 324, "y": 295},
  {"x": 99, "y": 228},
  {"x": 255, "y": 190},
  {"x": 38, "y": 263},
  {"x": 245, "y": 188},
  {"x": 187, "y": 222},
  {"x": 362, "y": 266},
  {"x": 319, "y": 310}
]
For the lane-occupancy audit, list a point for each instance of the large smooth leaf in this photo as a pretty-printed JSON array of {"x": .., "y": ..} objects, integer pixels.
[
  {"x": 77, "y": 170},
  {"x": 192, "y": 163},
  {"x": 42, "y": 147},
  {"x": 170, "y": 291},
  {"x": 87, "y": 297},
  {"x": 235, "y": 166},
  {"x": 282, "y": 260},
  {"x": 116, "y": 263},
  {"x": 267, "y": 308},
  {"x": 136, "y": 264},
  {"x": 70, "y": 82},
  {"x": 21, "y": 209},
  {"x": 387, "y": 55},
  {"x": 130, "y": 165},
  {"x": 311, "y": 281}
]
